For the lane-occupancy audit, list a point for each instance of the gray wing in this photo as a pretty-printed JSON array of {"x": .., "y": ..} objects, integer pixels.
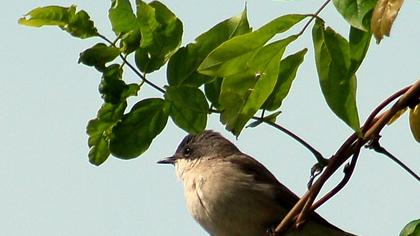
[{"x": 283, "y": 196}]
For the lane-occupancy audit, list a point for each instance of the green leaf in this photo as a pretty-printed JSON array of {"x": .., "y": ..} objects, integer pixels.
[
  {"x": 99, "y": 130},
  {"x": 182, "y": 67},
  {"x": 113, "y": 88},
  {"x": 338, "y": 83},
  {"x": 254, "y": 124},
  {"x": 242, "y": 94},
  {"x": 125, "y": 25},
  {"x": 411, "y": 229},
  {"x": 272, "y": 117},
  {"x": 130, "y": 41},
  {"x": 77, "y": 24},
  {"x": 130, "y": 90},
  {"x": 189, "y": 108},
  {"x": 287, "y": 73},
  {"x": 161, "y": 33},
  {"x": 357, "y": 13},
  {"x": 212, "y": 91},
  {"x": 122, "y": 17},
  {"x": 135, "y": 132},
  {"x": 216, "y": 62},
  {"x": 359, "y": 45},
  {"x": 99, "y": 55}
]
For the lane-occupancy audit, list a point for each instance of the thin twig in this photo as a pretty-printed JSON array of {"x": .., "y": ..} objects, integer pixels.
[
  {"x": 315, "y": 152},
  {"x": 323, "y": 161},
  {"x": 143, "y": 78},
  {"x": 375, "y": 145},
  {"x": 315, "y": 15}
]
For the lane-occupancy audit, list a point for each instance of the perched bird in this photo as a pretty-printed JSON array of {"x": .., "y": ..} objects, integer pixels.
[{"x": 231, "y": 194}]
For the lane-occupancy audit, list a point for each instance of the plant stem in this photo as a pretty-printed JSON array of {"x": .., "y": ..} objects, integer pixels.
[
  {"x": 142, "y": 77},
  {"x": 375, "y": 145},
  {"x": 315, "y": 152},
  {"x": 351, "y": 147},
  {"x": 315, "y": 15}
]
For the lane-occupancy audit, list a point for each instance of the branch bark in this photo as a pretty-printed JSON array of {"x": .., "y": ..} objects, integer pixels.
[{"x": 350, "y": 148}]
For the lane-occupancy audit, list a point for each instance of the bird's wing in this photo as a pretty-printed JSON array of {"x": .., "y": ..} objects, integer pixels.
[
  {"x": 262, "y": 175},
  {"x": 283, "y": 195}
]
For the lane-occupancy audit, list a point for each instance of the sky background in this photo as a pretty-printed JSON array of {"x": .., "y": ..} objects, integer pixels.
[{"x": 48, "y": 187}]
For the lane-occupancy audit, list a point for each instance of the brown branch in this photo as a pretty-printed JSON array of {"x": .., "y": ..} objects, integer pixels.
[
  {"x": 413, "y": 92},
  {"x": 348, "y": 171},
  {"x": 351, "y": 147}
]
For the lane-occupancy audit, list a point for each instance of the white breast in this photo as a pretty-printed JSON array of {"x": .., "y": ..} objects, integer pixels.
[{"x": 223, "y": 200}]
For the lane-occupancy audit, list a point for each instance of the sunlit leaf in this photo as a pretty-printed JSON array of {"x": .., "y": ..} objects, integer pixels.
[
  {"x": 182, "y": 67},
  {"x": 99, "y": 55},
  {"x": 220, "y": 59},
  {"x": 77, "y": 24},
  {"x": 135, "y": 132},
  {"x": 411, "y": 229},
  {"x": 99, "y": 130},
  {"x": 333, "y": 62},
  {"x": 242, "y": 94},
  {"x": 357, "y": 12},
  {"x": 161, "y": 34},
  {"x": 384, "y": 16},
  {"x": 287, "y": 73},
  {"x": 188, "y": 108},
  {"x": 414, "y": 119},
  {"x": 122, "y": 16}
]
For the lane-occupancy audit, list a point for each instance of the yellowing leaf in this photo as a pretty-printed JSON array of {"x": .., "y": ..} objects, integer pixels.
[
  {"x": 397, "y": 116},
  {"x": 383, "y": 16},
  {"x": 414, "y": 119}
]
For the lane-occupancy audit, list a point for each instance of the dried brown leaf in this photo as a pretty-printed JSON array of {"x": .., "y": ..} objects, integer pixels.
[{"x": 383, "y": 16}]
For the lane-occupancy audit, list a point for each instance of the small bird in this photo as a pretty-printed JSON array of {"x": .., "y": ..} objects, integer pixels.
[{"x": 231, "y": 194}]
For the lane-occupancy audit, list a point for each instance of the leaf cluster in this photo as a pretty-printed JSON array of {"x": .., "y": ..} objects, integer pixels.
[{"x": 230, "y": 69}]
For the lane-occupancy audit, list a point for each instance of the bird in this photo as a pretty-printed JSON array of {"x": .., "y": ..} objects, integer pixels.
[{"x": 229, "y": 193}]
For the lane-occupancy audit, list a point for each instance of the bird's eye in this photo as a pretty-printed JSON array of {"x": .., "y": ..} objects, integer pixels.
[{"x": 187, "y": 151}]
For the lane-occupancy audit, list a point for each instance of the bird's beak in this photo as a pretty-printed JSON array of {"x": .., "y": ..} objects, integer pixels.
[{"x": 167, "y": 160}]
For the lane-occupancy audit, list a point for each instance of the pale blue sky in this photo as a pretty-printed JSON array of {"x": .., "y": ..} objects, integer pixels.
[{"x": 48, "y": 186}]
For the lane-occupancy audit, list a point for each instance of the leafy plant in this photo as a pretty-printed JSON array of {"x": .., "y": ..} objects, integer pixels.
[{"x": 231, "y": 70}]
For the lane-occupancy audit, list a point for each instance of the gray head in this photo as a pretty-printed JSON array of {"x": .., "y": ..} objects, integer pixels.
[{"x": 208, "y": 144}]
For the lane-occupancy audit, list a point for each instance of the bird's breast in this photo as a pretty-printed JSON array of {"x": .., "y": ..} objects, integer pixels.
[{"x": 225, "y": 201}]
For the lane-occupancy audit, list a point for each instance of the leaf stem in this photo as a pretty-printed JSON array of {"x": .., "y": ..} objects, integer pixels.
[
  {"x": 142, "y": 77},
  {"x": 323, "y": 161},
  {"x": 375, "y": 145},
  {"x": 315, "y": 15}
]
